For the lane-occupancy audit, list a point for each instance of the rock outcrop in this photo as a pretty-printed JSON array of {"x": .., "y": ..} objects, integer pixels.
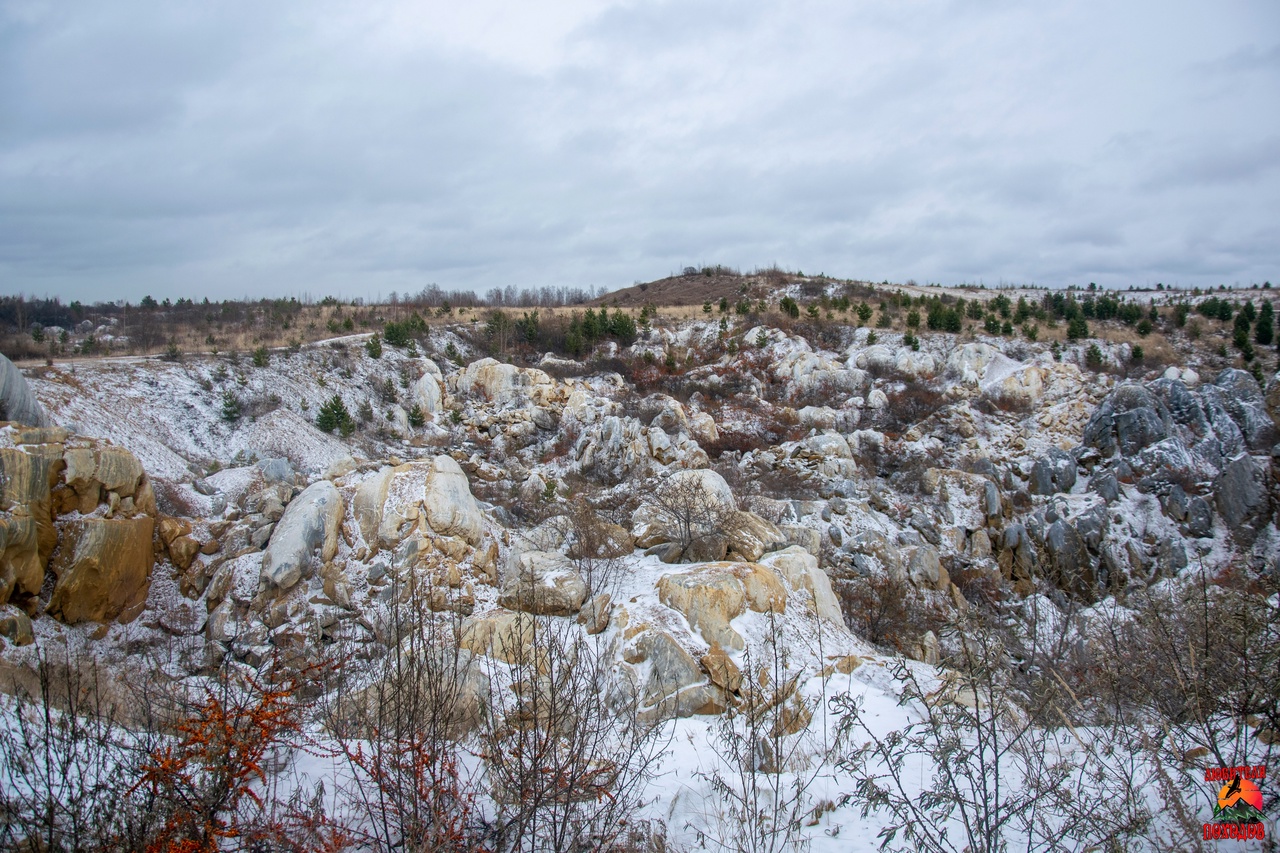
[
  {"x": 90, "y": 503},
  {"x": 310, "y": 523}
]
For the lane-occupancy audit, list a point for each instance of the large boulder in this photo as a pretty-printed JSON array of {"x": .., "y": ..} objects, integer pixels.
[
  {"x": 310, "y": 522},
  {"x": 1129, "y": 419},
  {"x": 503, "y": 635},
  {"x": 800, "y": 568},
  {"x": 751, "y": 537},
  {"x": 367, "y": 505},
  {"x": 103, "y": 569},
  {"x": 544, "y": 583},
  {"x": 392, "y": 502},
  {"x": 1069, "y": 559},
  {"x": 1240, "y": 492},
  {"x": 504, "y": 384},
  {"x": 1054, "y": 472},
  {"x": 48, "y": 474},
  {"x": 711, "y": 595},
  {"x": 969, "y": 363},
  {"x": 17, "y": 403},
  {"x": 676, "y": 684},
  {"x": 450, "y": 508},
  {"x": 1241, "y": 395},
  {"x": 685, "y": 506},
  {"x": 426, "y": 392}
]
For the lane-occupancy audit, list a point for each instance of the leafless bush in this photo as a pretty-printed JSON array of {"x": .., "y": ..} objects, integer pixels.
[
  {"x": 567, "y": 753},
  {"x": 687, "y": 511},
  {"x": 1187, "y": 673},
  {"x": 63, "y": 757},
  {"x": 992, "y": 776},
  {"x": 597, "y": 550},
  {"x": 889, "y": 613},
  {"x": 763, "y": 739},
  {"x": 400, "y": 735},
  {"x": 908, "y": 406}
]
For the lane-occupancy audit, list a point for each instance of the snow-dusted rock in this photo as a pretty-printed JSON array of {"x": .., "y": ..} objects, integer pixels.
[
  {"x": 918, "y": 365},
  {"x": 1240, "y": 492},
  {"x": 426, "y": 392},
  {"x": 800, "y": 568},
  {"x": 751, "y": 536},
  {"x": 817, "y": 417},
  {"x": 712, "y": 594},
  {"x": 310, "y": 522},
  {"x": 503, "y": 384},
  {"x": 544, "y": 583},
  {"x": 450, "y": 508},
  {"x": 875, "y": 357},
  {"x": 966, "y": 499},
  {"x": 969, "y": 362}
]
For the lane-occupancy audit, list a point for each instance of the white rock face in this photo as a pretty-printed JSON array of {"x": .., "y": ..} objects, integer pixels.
[
  {"x": 503, "y": 384},
  {"x": 970, "y": 362},
  {"x": 20, "y": 404},
  {"x": 921, "y": 365},
  {"x": 310, "y": 521},
  {"x": 877, "y": 356},
  {"x": 450, "y": 508},
  {"x": 426, "y": 393},
  {"x": 545, "y": 584},
  {"x": 800, "y": 568}
]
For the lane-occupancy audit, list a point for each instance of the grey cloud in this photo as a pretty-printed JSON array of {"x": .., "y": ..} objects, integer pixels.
[{"x": 292, "y": 147}]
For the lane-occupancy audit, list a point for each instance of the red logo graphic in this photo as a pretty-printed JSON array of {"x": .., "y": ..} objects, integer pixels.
[{"x": 1238, "y": 812}]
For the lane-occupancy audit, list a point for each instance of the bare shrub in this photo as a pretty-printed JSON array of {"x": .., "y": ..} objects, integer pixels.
[
  {"x": 400, "y": 734},
  {"x": 686, "y": 511},
  {"x": 1186, "y": 672},
  {"x": 567, "y": 753},
  {"x": 595, "y": 552},
  {"x": 909, "y": 405},
  {"x": 770, "y": 757},
  {"x": 63, "y": 758},
  {"x": 889, "y": 613},
  {"x": 991, "y": 777}
]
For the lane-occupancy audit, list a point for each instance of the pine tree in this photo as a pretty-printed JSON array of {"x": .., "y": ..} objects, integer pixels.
[
  {"x": 334, "y": 415},
  {"x": 373, "y": 346},
  {"x": 230, "y": 407},
  {"x": 416, "y": 417}
]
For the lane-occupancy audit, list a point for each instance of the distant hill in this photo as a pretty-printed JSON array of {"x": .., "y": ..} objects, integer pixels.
[{"x": 695, "y": 288}]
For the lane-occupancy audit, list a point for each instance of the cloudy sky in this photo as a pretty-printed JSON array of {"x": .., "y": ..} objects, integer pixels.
[{"x": 236, "y": 148}]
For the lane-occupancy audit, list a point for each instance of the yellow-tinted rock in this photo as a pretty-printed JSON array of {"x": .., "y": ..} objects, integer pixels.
[
  {"x": 182, "y": 551},
  {"x": 712, "y": 594},
  {"x": 21, "y": 569},
  {"x": 103, "y": 569},
  {"x": 109, "y": 468},
  {"x": 721, "y": 669},
  {"x": 171, "y": 528},
  {"x": 28, "y": 480},
  {"x": 503, "y": 635}
]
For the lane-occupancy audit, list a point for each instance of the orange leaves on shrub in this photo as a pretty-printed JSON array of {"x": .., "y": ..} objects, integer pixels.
[{"x": 211, "y": 778}]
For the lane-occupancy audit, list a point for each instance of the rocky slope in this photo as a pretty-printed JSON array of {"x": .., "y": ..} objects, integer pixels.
[{"x": 805, "y": 469}]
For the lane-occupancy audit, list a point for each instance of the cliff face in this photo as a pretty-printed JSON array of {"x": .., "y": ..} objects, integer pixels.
[{"x": 81, "y": 509}]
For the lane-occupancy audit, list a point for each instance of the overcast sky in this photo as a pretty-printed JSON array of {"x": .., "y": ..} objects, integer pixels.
[{"x": 230, "y": 148}]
